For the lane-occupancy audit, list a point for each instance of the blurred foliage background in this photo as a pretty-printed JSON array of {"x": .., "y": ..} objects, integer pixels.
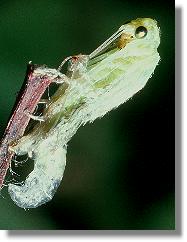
[{"x": 120, "y": 171}]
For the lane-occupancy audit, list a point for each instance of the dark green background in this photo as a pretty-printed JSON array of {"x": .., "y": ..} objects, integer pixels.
[{"x": 120, "y": 169}]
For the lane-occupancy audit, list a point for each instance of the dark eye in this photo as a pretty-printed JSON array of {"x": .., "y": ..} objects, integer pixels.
[{"x": 140, "y": 32}]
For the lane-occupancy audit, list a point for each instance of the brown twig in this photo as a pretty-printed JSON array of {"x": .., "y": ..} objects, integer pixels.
[{"x": 36, "y": 82}]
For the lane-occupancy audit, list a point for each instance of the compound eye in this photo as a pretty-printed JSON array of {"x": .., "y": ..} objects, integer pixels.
[{"x": 140, "y": 32}]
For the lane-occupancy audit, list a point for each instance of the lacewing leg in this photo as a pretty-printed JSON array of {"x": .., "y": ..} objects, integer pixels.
[{"x": 37, "y": 79}]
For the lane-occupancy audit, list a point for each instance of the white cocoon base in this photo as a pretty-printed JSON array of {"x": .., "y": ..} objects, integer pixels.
[{"x": 42, "y": 183}]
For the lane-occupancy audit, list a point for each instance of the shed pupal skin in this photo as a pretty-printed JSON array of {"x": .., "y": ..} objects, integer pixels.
[{"x": 97, "y": 83}]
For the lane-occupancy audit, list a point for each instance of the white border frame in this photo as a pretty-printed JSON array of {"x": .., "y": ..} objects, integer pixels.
[{"x": 181, "y": 138}]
